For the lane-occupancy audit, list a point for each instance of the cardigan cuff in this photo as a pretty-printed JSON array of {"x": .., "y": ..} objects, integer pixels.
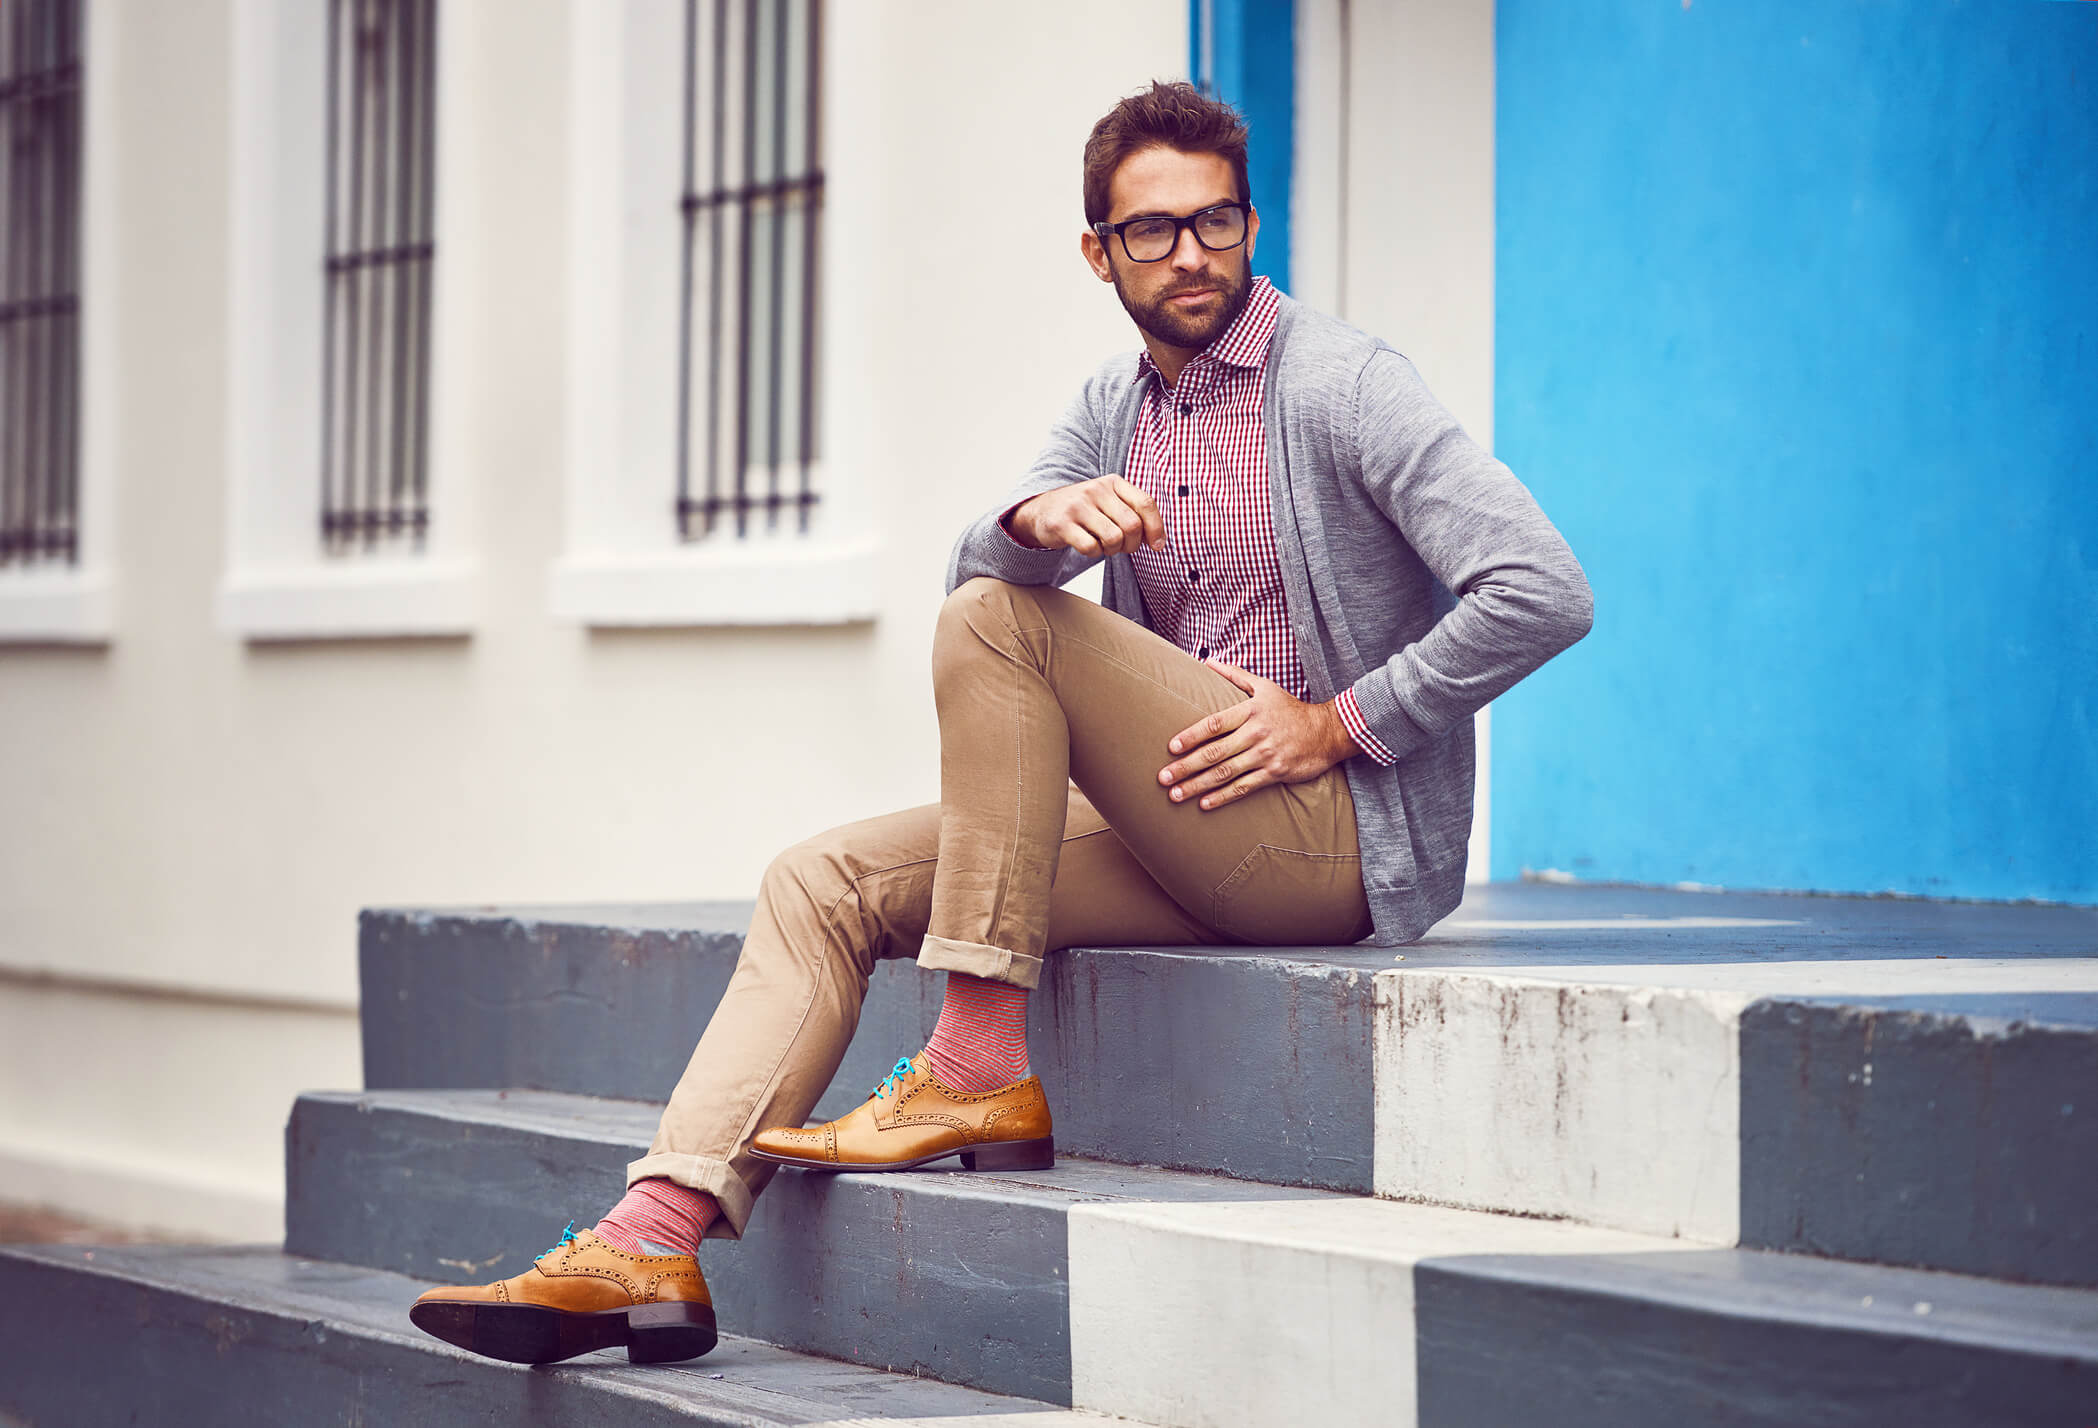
[
  {"x": 1359, "y": 730},
  {"x": 1006, "y": 531},
  {"x": 1388, "y": 723}
]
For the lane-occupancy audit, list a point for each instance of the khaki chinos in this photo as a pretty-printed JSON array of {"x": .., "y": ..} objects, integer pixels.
[{"x": 1052, "y": 831}]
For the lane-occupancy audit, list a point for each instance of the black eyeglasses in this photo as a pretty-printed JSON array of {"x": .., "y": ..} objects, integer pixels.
[{"x": 1148, "y": 239}]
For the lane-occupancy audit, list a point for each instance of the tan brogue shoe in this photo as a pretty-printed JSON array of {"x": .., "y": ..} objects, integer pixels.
[
  {"x": 582, "y": 1294},
  {"x": 912, "y": 1119}
]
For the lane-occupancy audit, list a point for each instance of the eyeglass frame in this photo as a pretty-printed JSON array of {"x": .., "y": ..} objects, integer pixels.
[{"x": 1104, "y": 230}]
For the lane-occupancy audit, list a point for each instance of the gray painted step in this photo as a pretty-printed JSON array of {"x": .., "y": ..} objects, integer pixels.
[
  {"x": 178, "y": 1336},
  {"x": 1369, "y": 1311},
  {"x": 957, "y": 1275},
  {"x": 1180, "y": 1298},
  {"x": 1891, "y": 1081},
  {"x": 609, "y": 1001}
]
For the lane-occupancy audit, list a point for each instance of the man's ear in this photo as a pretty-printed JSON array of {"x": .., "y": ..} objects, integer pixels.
[
  {"x": 1252, "y": 230},
  {"x": 1095, "y": 253}
]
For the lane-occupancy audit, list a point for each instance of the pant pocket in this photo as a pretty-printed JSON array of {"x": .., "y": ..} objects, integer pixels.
[{"x": 1284, "y": 897}]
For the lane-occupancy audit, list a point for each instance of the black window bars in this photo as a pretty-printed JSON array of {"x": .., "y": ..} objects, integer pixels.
[
  {"x": 382, "y": 131},
  {"x": 40, "y": 47},
  {"x": 747, "y": 400}
]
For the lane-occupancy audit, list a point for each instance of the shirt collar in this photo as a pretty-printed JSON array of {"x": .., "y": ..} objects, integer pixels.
[{"x": 1245, "y": 342}]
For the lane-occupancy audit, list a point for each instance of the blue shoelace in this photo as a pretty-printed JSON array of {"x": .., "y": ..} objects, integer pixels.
[
  {"x": 901, "y": 1069},
  {"x": 566, "y": 1235}
]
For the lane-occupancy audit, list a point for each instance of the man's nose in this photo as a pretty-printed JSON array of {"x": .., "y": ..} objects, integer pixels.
[{"x": 1188, "y": 252}]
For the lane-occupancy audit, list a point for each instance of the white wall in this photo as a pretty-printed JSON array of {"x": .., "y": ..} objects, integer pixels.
[
  {"x": 1393, "y": 219},
  {"x": 194, "y": 820}
]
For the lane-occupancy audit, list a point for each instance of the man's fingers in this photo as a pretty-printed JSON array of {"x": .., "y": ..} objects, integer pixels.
[
  {"x": 1105, "y": 536},
  {"x": 1200, "y": 769},
  {"x": 1126, "y": 521},
  {"x": 1248, "y": 782},
  {"x": 1139, "y": 500},
  {"x": 1221, "y": 722},
  {"x": 1064, "y": 529},
  {"x": 1233, "y": 759}
]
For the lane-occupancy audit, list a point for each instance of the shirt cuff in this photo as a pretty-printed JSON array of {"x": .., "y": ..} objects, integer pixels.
[
  {"x": 1010, "y": 537},
  {"x": 1359, "y": 730}
]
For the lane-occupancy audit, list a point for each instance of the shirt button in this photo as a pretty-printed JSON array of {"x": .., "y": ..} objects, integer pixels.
[
  {"x": 1185, "y": 408},
  {"x": 1204, "y": 654},
  {"x": 1183, "y": 490},
  {"x": 1193, "y": 575}
]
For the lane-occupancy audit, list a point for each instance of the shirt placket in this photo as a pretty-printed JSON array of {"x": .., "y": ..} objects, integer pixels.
[{"x": 1195, "y": 475}]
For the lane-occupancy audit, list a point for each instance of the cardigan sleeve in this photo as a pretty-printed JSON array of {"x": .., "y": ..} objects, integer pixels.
[
  {"x": 1072, "y": 452},
  {"x": 1521, "y": 595}
]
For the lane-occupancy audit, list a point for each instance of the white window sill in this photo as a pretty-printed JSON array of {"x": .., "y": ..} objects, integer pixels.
[
  {"x": 771, "y": 584},
  {"x": 371, "y": 600},
  {"x": 57, "y": 607}
]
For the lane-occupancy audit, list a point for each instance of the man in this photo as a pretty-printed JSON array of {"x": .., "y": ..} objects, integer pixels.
[{"x": 1263, "y": 734}]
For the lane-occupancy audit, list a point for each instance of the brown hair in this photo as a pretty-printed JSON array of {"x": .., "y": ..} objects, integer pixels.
[{"x": 1173, "y": 115}]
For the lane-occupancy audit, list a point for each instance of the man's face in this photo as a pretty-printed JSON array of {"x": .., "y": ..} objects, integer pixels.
[{"x": 1189, "y": 297}]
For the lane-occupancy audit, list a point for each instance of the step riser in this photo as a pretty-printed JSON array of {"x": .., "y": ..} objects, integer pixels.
[
  {"x": 1241, "y": 1322},
  {"x": 1985, "y": 1162},
  {"x": 1702, "y": 1367},
  {"x": 1248, "y": 1066},
  {"x": 1896, "y": 1137}
]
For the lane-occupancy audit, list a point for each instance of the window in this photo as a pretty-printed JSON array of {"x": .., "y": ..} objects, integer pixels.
[
  {"x": 40, "y": 282},
  {"x": 376, "y": 328},
  {"x": 747, "y": 409},
  {"x": 57, "y": 348},
  {"x": 706, "y": 483},
  {"x": 346, "y": 515}
]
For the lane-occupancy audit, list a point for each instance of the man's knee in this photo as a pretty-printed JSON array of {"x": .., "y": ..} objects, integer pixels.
[
  {"x": 978, "y": 616},
  {"x": 811, "y": 871},
  {"x": 983, "y": 607},
  {"x": 848, "y": 887},
  {"x": 977, "y": 593}
]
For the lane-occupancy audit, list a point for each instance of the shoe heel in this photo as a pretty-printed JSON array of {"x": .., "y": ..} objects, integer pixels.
[
  {"x": 1012, "y": 1155},
  {"x": 665, "y": 1333}
]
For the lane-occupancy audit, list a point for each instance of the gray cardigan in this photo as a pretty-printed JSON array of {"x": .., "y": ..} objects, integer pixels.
[{"x": 1383, "y": 507}]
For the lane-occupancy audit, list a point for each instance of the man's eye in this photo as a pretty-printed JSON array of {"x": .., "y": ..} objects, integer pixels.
[{"x": 1151, "y": 228}]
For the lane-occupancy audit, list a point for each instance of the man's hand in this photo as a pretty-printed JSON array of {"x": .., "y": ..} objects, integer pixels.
[
  {"x": 1103, "y": 516},
  {"x": 1273, "y": 737}
]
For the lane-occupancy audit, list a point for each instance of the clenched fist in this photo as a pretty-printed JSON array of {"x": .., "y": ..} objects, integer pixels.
[{"x": 1103, "y": 516}]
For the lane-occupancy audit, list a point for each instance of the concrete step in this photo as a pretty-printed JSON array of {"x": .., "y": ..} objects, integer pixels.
[
  {"x": 1889, "y": 1081},
  {"x": 608, "y": 1001},
  {"x": 1190, "y": 1299},
  {"x": 178, "y": 1335},
  {"x": 1371, "y": 1311},
  {"x": 949, "y": 1273}
]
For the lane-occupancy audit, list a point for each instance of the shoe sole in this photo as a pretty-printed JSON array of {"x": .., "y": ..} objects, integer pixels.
[
  {"x": 536, "y": 1334},
  {"x": 998, "y": 1155}
]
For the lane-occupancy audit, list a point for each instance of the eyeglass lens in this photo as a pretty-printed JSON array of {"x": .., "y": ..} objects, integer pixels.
[{"x": 1149, "y": 239}]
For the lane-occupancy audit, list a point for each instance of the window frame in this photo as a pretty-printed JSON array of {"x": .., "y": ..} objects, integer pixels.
[
  {"x": 622, "y": 562},
  {"x": 76, "y": 603},
  {"x": 280, "y": 582}
]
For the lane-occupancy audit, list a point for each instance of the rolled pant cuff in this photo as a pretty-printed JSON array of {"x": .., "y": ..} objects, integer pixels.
[
  {"x": 711, "y": 1176},
  {"x": 944, "y": 954}
]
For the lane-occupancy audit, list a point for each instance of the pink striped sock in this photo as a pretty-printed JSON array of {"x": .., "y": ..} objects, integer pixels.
[
  {"x": 658, "y": 1216},
  {"x": 980, "y": 1041}
]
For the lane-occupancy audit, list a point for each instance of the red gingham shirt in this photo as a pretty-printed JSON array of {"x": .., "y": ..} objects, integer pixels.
[{"x": 1200, "y": 452}]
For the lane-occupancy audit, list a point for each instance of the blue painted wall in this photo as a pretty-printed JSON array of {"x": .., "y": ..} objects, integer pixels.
[
  {"x": 1245, "y": 52},
  {"x": 1797, "y": 341}
]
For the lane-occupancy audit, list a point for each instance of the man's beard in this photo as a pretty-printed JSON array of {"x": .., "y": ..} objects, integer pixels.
[{"x": 1183, "y": 329}]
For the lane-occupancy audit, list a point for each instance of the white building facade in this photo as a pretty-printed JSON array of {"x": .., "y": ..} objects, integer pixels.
[{"x": 240, "y": 715}]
